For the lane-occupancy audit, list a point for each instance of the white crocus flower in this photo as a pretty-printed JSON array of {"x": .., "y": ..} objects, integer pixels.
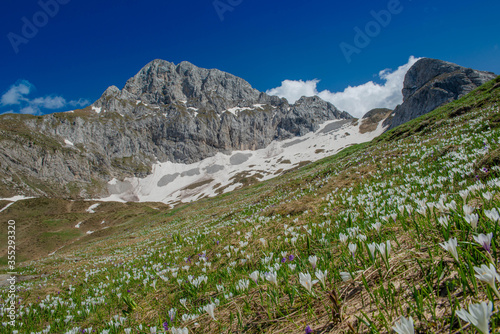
[
  {"x": 376, "y": 226},
  {"x": 255, "y": 276},
  {"x": 343, "y": 237},
  {"x": 372, "y": 247},
  {"x": 272, "y": 277},
  {"x": 306, "y": 281},
  {"x": 404, "y": 326},
  {"x": 352, "y": 249},
  {"x": 468, "y": 210},
  {"x": 179, "y": 330},
  {"x": 488, "y": 196},
  {"x": 451, "y": 246},
  {"x": 488, "y": 275},
  {"x": 444, "y": 221},
  {"x": 313, "y": 260},
  {"x": 464, "y": 194},
  {"x": 472, "y": 219},
  {"x": 210, "y": 309},
  {"x": 321, "y": 275},
  {"x": 492, "y": 214},
  {"x": 484, "y": 240},
  {"x": 183, "y": 302},
  {"x": 478, "y": 315},
  {"x": 385, "y": 250}
]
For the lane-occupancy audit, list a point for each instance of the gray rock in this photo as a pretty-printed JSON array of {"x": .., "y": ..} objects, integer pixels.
[
  {"x": 430, "y": 83},
  {"x": 239, "y": 158},
  {"x": 214, "y": 169},
  {"x": 166, "y": 179}
]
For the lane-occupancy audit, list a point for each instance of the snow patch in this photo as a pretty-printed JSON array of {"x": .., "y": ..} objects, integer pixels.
[
  {"x": 67, "y": 142},
  {"x": 79, "y": 224},
  {"x": 260, "y": 106},
  {"x": 97, "y": 109},
  {"x": 195, "y": 111},
  {"x": 5, "y": 208},
  {"x": 15, "y": 198},
  {"x": 222, "y": 173},
  {"x": 92, "y": 208},
  {"x": 236, "y": 110}
]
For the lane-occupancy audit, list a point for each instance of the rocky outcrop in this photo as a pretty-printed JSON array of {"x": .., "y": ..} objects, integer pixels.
[
  {"x": 372, "y": 119},
  {"x": 167, "y": 112},
  {"x": 430, "y": 83}
]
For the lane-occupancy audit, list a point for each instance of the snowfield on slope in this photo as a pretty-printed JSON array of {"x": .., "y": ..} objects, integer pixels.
[{"x": 172, "y": 183}]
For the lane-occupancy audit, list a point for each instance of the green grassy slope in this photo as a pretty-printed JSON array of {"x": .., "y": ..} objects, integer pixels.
[{"x": 368, "y": 224}]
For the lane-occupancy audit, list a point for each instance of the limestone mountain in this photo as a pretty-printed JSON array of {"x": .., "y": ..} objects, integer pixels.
[
  {"x": 430, "y": 83},
  {"x": 177, "y": 113}
]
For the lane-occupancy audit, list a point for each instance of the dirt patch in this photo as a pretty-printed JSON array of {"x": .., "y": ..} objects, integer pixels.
[
  {"x": 484, "y": 165},
  {"x": 197, "y": 184},
  {"x": 292, "y": 209},
  {"x": 372, "y": 119}
]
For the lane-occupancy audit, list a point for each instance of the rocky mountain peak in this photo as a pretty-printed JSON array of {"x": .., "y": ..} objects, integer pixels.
[
  {"x": 165, "y": 113},
  {"x": 430, "y": 83},
  {"x": 162, "y": 83}
]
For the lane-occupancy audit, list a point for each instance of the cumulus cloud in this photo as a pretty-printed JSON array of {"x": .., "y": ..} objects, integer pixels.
[
  {"x": 79, "y": 103},
  {"x": 292, "y": 90},
  {"x": 30, "y": 110},
  {"x": 17, "y": 95},
  {"x": 49, "y": 102},
  {"x": 355, "y": 100}
]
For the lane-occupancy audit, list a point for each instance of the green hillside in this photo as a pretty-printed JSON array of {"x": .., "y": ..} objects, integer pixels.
[{"x": 348, "y": 244}]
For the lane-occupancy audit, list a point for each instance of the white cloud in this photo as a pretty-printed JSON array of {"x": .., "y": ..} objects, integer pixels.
[
  {"x": 79, "y": 103},
  {"x": 292, "y": 90},
  {"x": 30, "y": 110},
  {"x": 355, "y": 100},
  {"x": 18, "y": 93},
  {"x": 49, "y": 102}
]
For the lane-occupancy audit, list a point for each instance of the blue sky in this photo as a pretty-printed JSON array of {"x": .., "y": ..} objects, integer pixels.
[{"x": 85, "y": 46}]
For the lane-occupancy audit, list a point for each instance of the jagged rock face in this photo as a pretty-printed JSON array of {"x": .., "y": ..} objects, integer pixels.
[
  {"x": 178, "y": 113},
  {"x": 161, "y": 82},
  {"x": 430, "y": 83}
]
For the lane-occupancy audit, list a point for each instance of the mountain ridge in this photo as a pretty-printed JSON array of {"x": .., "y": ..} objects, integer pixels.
[
  {"x": 179, "y": 113},
  {"x": 184, "y": 114}
]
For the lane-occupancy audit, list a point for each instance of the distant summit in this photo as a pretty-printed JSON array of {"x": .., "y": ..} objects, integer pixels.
[{"x": 430, "y": 83}]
